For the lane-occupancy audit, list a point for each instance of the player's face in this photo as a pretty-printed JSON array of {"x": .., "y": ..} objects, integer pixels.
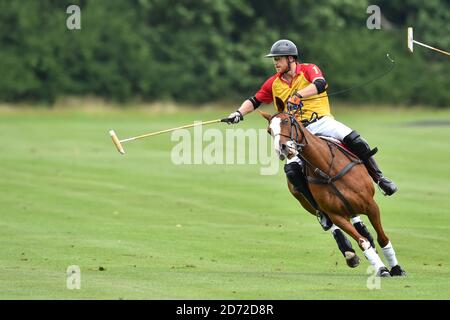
[{"x": 280, "y": 64}]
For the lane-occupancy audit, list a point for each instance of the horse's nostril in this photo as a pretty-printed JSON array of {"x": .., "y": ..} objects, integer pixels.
[{"x": 283, "y": 147}]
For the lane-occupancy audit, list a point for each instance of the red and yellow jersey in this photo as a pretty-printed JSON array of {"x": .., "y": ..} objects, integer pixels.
[{"x": 306, "y": 73}]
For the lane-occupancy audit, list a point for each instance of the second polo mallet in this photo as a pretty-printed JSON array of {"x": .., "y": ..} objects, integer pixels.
[{"x": 411, "y": 41}]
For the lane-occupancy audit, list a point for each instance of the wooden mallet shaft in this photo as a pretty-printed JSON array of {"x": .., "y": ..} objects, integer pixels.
[{"x": 118, "y": 143}]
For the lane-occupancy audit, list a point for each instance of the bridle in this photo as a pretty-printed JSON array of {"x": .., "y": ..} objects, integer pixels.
[{"x": 295, "y": 129}]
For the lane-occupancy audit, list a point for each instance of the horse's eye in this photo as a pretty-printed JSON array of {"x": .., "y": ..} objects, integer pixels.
[{"x": 285, "y": 121}]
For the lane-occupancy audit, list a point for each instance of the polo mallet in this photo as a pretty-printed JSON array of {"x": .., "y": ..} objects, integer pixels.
[
  {"x": 411, "y": 42},
  {"x": 118, "y": 143}
]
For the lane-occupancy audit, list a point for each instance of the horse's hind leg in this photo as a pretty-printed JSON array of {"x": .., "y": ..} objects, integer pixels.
[
  {"x": 364, "y": 244},
  {"x": 344, "y": 245},
  {"x": 373, "y": 213}
]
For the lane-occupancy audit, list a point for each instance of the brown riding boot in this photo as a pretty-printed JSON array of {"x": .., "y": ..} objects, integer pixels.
[{"x": 387, "y": 186}]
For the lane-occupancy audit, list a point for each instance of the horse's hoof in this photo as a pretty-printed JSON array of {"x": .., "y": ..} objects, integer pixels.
[
  {"x": 383, "y": 272},
  {"x": 397, "y": 271},
  {"x": 352, "y": 259}
]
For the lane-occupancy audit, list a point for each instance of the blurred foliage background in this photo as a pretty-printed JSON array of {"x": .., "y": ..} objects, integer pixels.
[{"x": 193, "y": 52}]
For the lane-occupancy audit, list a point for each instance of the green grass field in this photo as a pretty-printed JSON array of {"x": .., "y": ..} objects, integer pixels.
[{"x": 140, "y": 227}]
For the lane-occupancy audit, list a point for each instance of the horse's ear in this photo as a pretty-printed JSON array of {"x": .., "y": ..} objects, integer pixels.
[
  {"x": 265, "y": 115},
  {"x": 280, "y": 104}
]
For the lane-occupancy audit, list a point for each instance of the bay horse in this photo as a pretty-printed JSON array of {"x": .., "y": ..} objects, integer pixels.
[{"x": 340, "y": 185}]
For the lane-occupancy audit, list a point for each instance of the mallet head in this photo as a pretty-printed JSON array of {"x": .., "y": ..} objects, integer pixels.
[
  {"x": 116, "y": 141},
  {"x": 410, "y": 39}
]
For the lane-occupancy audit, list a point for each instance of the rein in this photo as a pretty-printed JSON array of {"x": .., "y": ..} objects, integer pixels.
[{"x": 295, "y": 128}]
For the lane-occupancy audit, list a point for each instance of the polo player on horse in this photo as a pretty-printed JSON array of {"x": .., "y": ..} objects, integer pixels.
[
  {"x": 302, "y": 89},
  {"x": 295, "y": 81}
]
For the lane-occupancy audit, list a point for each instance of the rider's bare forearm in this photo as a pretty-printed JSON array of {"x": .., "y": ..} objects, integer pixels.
[
  {"x": 308, "y": 91},
  {"x": 246, "y": 107}
]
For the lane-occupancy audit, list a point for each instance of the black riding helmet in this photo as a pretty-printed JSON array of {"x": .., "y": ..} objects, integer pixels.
[{"x": 283, "y": 48}]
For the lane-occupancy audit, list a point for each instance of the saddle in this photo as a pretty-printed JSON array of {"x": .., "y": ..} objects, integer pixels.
[{"x": 339, "y": 145}]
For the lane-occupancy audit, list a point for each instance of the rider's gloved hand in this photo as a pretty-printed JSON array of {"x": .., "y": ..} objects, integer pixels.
[
  {"x": 295, "y": 102},
  {"x": 235, "y": 117}
]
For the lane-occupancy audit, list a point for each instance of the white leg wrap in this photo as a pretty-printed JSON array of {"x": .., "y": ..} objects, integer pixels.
[
  {"x": 373, "y": 258},
  {"x": 334, "y": 227},
  {"x": 389, "y": 254},
  {"x": 355, "y": 219},
  {"x": 295, "y": 159}
]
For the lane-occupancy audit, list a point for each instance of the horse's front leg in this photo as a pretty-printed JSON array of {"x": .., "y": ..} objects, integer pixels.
[
  {"x": 342, "y": 242},
  {"x": 362, "y": 229}
]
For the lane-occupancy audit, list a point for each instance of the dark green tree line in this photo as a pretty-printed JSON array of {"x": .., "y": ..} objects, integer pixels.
[{"x": 197, "y": 51}]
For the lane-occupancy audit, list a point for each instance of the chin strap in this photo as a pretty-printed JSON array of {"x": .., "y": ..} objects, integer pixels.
[{"x": 289, "y": 67}]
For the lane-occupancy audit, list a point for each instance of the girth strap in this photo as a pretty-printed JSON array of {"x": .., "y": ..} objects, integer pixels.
[{"x": 326, "y": 179}]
